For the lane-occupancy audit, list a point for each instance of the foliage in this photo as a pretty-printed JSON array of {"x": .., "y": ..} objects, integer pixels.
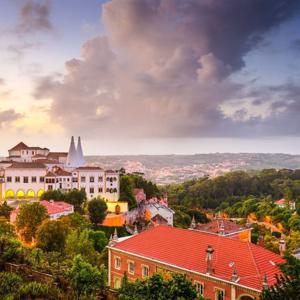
[
  {"x": 288, "y": 284},
  {"x": 97, "y": 209},
  {"x": 99, "y": 240},
  {"x": 5, "y": 210},
  {"x": 10, "y": 249},
  {"x": 6, "y": 229},
  {"x": 29, "y": 217},
  {"x": 51, "y": 235},
  {"x": 9, "y": 283},
  {"x": 79, "y": 242},
  {"x": 75, "y": 197},
  {"x": 76, "y": 221},
  {"x": 85, "y": 278},
  {"x": 35, "y": 290},
  {"x": 156, "y": 287}
]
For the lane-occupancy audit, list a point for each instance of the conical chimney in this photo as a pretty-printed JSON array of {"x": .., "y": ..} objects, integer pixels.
[
  {"x": 72, "y": 155},
  {"x": 80, "y": 157}
]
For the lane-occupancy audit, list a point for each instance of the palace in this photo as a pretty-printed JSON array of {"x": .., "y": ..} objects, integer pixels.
[
  {"x": 220, "y": 267},
  {"x": 28, "y": 172}
]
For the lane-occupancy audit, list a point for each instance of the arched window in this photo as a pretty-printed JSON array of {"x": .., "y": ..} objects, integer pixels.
[
  {"x": 20, "y": 194},
  {"x": 30, "y": 194},
  {"x": 9, "y": 194},
  {"x": 40, "y": 193}
]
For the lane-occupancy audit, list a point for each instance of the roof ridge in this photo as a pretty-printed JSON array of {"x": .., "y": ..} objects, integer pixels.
[{"x": 252, "y": 256}]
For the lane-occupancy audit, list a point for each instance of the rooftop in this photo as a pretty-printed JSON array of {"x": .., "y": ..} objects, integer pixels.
[
  {"x": 27, "y": 165},
  {"x": 220, "y": 225},
  {"x": 186, "y": 249},
  {"x": 54, "y": 207}
]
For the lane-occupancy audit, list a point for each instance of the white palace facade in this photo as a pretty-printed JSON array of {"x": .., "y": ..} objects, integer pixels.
[{"x": 28, "y": 172}]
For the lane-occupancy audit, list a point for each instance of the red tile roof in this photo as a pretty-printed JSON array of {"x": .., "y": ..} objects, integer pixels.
[
  {"x": 56, "y": 206},
  {"x": 215, "y": 227},
  {"x": 186, "y": 249},
  {"x": 90, "y": 168},
  {"x": 56, "y": 155},
  {"x": 27, "y": 165},
  {"x": 20, "y": 146}
]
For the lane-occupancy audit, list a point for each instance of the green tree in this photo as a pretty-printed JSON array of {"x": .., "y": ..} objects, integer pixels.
[
  {"x": 84, "y": 278},
  {"x": 76, "y": 221},
  {"x": 287, "y": 286},
  {"x": 79, "y": 242},
  {"x": 51, "y": 235},
  {"x": 76, "y": 198},
  {"x": 36, "y": 290},
  {"x": 9, "y": 284},
  {"x": 5, "y": 210},
  {"x": 29, "y": 217},
  {"x": 155, "y": 287},
  {"x": 56, "y": 195},
  {"x": 6, "y": 229},
  {"x": 97, "y": 209},
  {"x": 99, "y": 239},
  {"x": 126, "y": 191}
]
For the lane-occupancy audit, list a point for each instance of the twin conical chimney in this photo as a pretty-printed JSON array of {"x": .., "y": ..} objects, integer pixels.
[{"x": 75, "y": 157}]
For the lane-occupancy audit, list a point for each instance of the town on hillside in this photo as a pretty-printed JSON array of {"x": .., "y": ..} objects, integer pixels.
[{"x": 72, "y": 230}]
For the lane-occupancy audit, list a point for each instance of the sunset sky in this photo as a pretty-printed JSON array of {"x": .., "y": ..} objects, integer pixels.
[{"x": 151, "y": 76}]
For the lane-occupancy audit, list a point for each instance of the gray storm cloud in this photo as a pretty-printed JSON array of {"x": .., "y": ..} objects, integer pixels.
[
  {"x": 8, "y": 116},
  {"x": 164, "y": 69}
]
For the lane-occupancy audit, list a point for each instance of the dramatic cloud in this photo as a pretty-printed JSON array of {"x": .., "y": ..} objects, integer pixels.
[
  {"x": 35, "y": 17},
  {"x": 164, "y": 70},
  {"x": 8, "y": 116}
]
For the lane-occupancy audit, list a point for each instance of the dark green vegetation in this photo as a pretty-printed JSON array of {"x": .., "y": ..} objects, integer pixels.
[
  {"x": 128, "y": 182},
  {"x": 70, "y": 249},
  {"x": 156, "y": 287},
  {"x": 97, "y": 210},
  {"x": 288, "y": 284}
]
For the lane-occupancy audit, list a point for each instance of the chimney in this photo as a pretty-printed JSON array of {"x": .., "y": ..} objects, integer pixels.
[
  {"x": 222, "y": 228},
  {"x": 282, "y": 245},
  {"x": 209, "y": 257},
  {"x": 135, "y": 230},
  {"x": 265, "y": 281},
  {"x": 115, "y": 236},
  {"x": 234, "y": 276},
  {"x": 193, "y": 223}
]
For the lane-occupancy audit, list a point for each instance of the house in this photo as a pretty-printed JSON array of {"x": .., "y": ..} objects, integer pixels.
[
  {"x": 225, "y": 228},
  {"x": 282, "y": 203},
  {"x": 221, "y": 268},
  {"x": 54, "y": 209}
]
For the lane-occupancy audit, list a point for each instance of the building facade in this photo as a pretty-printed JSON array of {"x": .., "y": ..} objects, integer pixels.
[
  {"x": 30, "y": 171},
  {"x": 219, "y": 267}
]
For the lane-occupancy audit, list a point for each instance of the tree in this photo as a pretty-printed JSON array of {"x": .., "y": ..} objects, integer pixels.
[
  {"x": 37, "y": 290},
  {"x": 56, "y": 195},
  {"x": 79, "y": 242},
  {"x": 9, "y": 284},
  {"x": 76, "y": 221},
  {"x": 6, "y": 229},
  {"x": 85, "y": 278},
  {"x": 29, "y": 217},
  {"x": 126, "y": 191},
  {"x": 97, "y": 209},
  {"x": 156, "y": 287},
  {"x": 5, "y": 210},
  {"x": 287, "y": 286},
  {"x": 99, "y": 239},
  {"x": 76, "y": 198},
  {"x": 51, "y": 235}
]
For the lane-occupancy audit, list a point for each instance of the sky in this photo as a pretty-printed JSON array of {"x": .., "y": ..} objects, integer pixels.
[{"x": 151, "y": 76}]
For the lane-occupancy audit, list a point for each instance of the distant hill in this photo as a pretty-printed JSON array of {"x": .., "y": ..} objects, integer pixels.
[{"x": 165, "y": 169}]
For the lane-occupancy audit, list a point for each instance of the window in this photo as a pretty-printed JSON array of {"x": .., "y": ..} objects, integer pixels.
[
  {"x": 117, "y": 263},
  {"x": 220, "y": 294},
  {"x": 100, "y": 190},
  {"x": 117, "y": 282},
  {"x": 33, "y": 179},
  {"x": 100, "y": 178},
  {"x": 199, "y": 288},
  {"x": 107, "y": 190},
  {"x": 92, "y": 190},
  {"x": 25, "y": 179},
  {"x": 42, "y": 179},
  {"x": 17, "y": 179},
  {"x": 92, "y": 179},
  {"x": 82, "y": 179},
  {"x": 8, "y": 178},
  {"x": 145, "y": 271},
  {"x": 131, "y": 267}
]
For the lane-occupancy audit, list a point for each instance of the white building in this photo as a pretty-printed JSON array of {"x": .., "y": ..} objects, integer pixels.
[{"x": 30, "y": 171}]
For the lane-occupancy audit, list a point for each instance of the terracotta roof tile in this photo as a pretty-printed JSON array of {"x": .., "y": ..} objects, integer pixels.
[
  {"x": 186, "y": 249},
  {"x": 27, "y": 165},
  {"x": 20, "y": 146}
]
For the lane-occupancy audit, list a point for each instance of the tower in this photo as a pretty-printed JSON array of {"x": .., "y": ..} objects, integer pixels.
[
  {"x": 72, "y": 155},
  {"x": 80, "y": 157}
]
